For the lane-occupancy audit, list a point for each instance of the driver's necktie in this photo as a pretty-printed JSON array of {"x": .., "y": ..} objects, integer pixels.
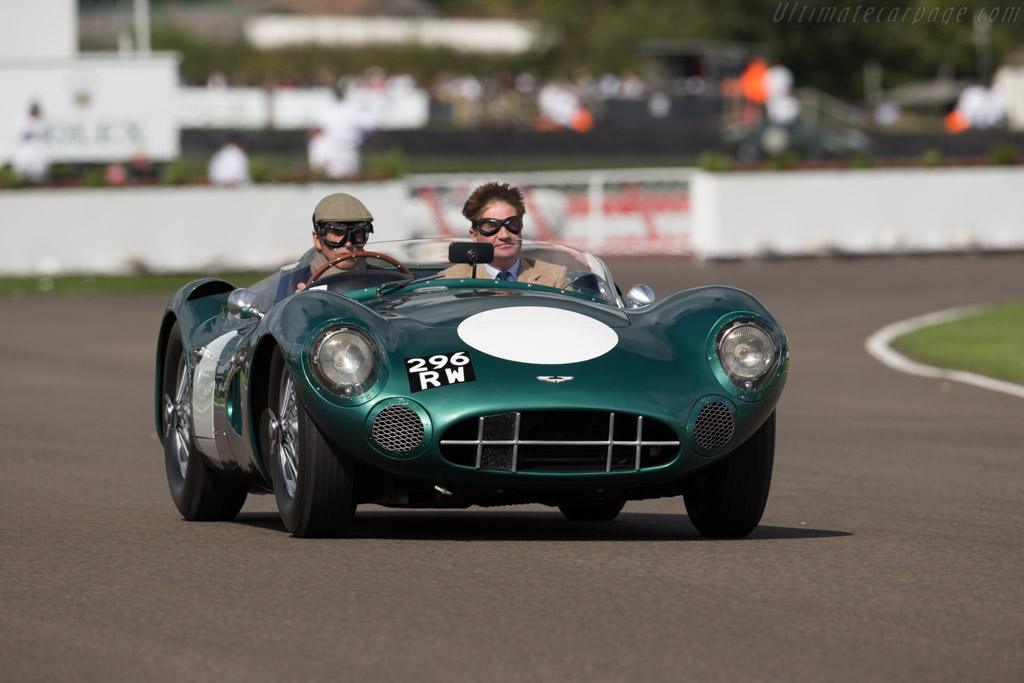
[{"x": 504, "y": 275}]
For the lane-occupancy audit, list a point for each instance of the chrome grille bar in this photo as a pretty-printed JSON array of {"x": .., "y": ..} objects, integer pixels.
[
  {"x": 639, "y": 439},
  {"x": 480, "y": 443},
  {"x": 515, "y": 447},
  {"x": 611, "y": 441}
]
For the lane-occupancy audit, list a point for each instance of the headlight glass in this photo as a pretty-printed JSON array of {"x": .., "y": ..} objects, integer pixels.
[
  {"x": 345, "y": 360},
  {"x": 747, "y": 352}
]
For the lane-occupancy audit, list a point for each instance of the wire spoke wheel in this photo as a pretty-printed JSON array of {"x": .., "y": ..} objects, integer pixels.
[
  {"x": 198, "y": 492},
  {"x": 178, "y": 412},
  {"x": 285, "y": 435},
  {"x": 314, "y": 484}
]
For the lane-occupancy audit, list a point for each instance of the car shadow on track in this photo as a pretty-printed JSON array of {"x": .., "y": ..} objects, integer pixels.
[{"x": 487, "y": 525}]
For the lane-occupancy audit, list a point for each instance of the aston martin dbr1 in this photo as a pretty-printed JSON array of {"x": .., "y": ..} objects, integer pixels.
[{"x": 401, "y": 385}]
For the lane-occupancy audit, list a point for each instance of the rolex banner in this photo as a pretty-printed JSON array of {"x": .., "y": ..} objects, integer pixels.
[{"x": 93, "y": 108}]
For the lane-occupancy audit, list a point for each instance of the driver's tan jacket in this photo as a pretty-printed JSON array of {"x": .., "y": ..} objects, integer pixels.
[{"x": 535, "y": 272}]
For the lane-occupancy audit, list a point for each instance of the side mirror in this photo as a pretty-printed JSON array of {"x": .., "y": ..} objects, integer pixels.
[
  {"x": 639, "y": 296},
  {"x": 244, "y": 304}
]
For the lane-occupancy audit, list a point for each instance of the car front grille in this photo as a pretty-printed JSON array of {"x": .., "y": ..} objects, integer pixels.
[{"x": 560, "y": 441}]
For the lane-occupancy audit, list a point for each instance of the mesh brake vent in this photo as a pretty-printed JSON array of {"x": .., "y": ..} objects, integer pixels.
[
  {"x": 714, "y": 426},
  {"x": 397, "y": 429}
]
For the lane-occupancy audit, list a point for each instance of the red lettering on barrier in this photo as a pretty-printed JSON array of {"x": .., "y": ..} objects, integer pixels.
[
  {"x": 631, "y": 202},
  {"x": 543, "y": 229},
  {"x": 429, "y": 196},
  {"x": 679, "y": 246}
]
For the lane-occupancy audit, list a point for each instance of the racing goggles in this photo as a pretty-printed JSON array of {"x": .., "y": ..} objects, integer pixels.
[
  {"x": 491, "y": 226},
  {"x": 335, "y": 234}
]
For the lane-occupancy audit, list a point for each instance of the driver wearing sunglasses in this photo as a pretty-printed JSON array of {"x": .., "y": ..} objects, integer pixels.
[
  {"x": 495, "y": 212},
  {"x": 341, "y": 224}
]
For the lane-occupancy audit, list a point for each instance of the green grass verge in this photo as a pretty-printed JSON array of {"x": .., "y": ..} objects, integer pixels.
[
  {"x": 990, "y": 342},
  {"x": 112, "y": 284}
]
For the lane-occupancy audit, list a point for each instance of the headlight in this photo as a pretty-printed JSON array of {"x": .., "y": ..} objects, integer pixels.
[
  {"x": 747, "y": 351},
  {"x": 345, "y": 360}
]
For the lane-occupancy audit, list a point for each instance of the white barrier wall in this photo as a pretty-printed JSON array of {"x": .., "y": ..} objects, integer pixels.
[
  {"x": 119, "y": 230},
  {"x": 796, "y": 213},
  {"x": 680, "y": 212}
]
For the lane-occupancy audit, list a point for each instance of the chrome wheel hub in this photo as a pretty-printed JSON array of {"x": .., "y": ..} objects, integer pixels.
[
  {"x": 284, "y": 435},
  {"x": 178, "y": 420}
]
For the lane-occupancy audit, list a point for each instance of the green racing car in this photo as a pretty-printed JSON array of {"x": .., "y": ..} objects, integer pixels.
[{"x": 397, "y": 386}]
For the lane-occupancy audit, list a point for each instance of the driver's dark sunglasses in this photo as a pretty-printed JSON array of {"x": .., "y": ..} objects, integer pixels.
[
  {"x": 491, "y": 226},
  {"x": 336, "y": 235}
]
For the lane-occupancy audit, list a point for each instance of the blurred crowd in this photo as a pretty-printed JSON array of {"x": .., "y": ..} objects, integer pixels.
[
  {"x": 522, "y": 100},
  {"x": 504, "y": 99},
  {"x": 762, "y": 95}
]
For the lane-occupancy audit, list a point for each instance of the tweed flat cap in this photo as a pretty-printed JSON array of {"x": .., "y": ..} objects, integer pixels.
[{"x": 341, "y": 207}]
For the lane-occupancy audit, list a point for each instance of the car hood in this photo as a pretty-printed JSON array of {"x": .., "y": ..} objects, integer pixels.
[{"x": 449, "y": 309}]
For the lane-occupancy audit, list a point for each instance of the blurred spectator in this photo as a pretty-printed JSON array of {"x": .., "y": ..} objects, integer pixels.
[
  {"x": 30, "y": 158},
  {"x": 1009, "y": 81},
  {"x": 781, "y": 106},
  {"x": 230, "y": 164},
  {"x": 375, "y": 78},
  {"x": 608, "y": 86},
  {"x": 139, "y": 166},
  {"x": 336, "y": 139},
  {"x": 115, "y": 174},
  {"x": 560, "y": 107},
  {"x": 526, "y": 84},
  {"x": 630, "y": 86},
  {"x": 955, "y": 122},
  {"x": 217, "y": 80},
  {"x": 401, "y": 83},
  {"x": 888, "y": 113},
  {"x": 466, "y": 110},
  {"x": 557, "y": 103},
  {"x": 318, "y": 150},
  {"x": 754, "y": 88},
  {"x": 442, "y": 96},
  {"x": 981, "y": 107}
]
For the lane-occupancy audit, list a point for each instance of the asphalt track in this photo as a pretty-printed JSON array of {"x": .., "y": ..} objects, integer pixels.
[{"x": 890, "y": 550}]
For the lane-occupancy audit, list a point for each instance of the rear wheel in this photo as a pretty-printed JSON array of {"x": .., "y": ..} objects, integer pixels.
[
  {"x": 603, "y": 511},
  {"x": 199, "y": 493},
  {"x": 314, "y": 486},
  {"x": 727, "y": 499}
]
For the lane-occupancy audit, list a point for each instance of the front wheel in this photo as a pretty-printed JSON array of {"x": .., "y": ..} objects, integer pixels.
[
  {"x": 314, "y": 486},
  {"x": 199, "y": 493},
  {"x": 727, "y": 499}
]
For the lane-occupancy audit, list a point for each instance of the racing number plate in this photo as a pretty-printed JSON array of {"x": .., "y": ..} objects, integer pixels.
[{"x": 439, "y": 370}]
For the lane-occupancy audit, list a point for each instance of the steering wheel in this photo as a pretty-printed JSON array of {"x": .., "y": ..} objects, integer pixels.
[{"x": 356, "y": 254}]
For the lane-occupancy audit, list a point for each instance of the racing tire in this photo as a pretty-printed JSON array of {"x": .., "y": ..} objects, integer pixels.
[
  {"x": 601, "y": 511},
  {"x": 200, "y": 493},
  {"x": 314, "y": 485},
  {"x": 727, "y": 499}
]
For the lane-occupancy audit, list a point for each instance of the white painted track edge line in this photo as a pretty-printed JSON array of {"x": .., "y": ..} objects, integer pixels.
[{"x": 878, "y": 346}]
